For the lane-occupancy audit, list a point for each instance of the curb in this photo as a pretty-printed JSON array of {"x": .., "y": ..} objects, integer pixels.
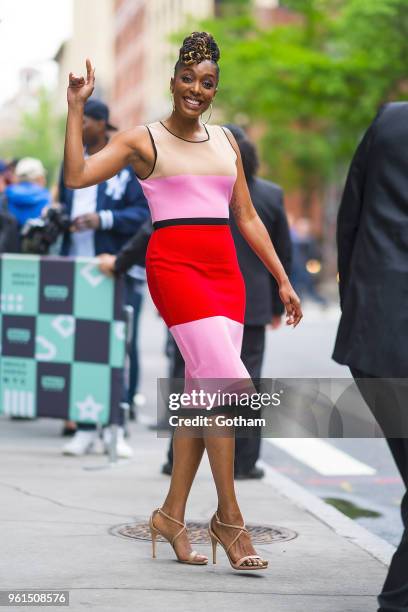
[{"x": 336, "y": 520}]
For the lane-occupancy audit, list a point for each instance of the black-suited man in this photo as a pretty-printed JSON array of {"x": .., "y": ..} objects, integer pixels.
[{"x": 372, "y": 237}]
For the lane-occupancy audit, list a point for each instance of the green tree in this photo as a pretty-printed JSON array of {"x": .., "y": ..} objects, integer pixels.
[
  {"x": 313, "y": 85},
  {"x": 41, "y": 135}
]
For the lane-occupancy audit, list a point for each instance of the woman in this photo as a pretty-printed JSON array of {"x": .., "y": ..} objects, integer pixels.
[{"x": 190, "y": 173}]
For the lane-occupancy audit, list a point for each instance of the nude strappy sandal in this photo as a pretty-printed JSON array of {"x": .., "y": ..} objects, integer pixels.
[
  {"x": 191, "y": 559},
  {"x": 238, "y": 565}
]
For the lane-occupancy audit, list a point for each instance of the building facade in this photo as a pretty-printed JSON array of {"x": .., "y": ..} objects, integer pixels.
[
  {"x": 25, "y": 100},
  {"x": 144, "y": 55},
  {"x": 93, "y": 38}
]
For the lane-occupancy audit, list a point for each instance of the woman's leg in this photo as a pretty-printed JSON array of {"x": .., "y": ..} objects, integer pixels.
[
  {"x": 221, "y": 450},
  {"x": 199, "y": 343},
  {"x": 187, "y": 455}
]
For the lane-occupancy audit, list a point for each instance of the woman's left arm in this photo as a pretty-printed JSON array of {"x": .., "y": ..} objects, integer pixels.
[{"x": 255, "y": 233}]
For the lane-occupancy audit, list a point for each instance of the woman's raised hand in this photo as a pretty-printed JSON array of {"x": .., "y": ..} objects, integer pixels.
[{"x": 79, "y": 88}]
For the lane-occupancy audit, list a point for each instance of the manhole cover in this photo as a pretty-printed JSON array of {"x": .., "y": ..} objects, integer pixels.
[{"x": 198, "y": 533}]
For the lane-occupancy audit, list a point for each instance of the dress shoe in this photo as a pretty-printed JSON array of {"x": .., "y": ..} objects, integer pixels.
[
  {"x": 167, "y": 468},
  {"x": 254, "y": 472}
]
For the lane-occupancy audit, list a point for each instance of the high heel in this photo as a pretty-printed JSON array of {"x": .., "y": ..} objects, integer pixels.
[
  {"x": 192, "y": 557},
  {"x": 237, "y": 565},
  {"x": 153, "y": 533},
  {"x": 214, "y": 547}
]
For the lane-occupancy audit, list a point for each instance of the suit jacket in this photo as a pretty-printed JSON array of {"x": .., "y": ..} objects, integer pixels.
[
  {"x": 134, "y": 250},
  {"x": 262, "y": 291},
  {"x": 372, "y": 239},
  {"x": 262, "y": 294}
]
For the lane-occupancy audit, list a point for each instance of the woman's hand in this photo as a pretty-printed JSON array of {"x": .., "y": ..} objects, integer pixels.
[
  {"x": 80, "y": 89},
  {"x": 291, "y": 302},
  {"x": 106, "y": 264}
]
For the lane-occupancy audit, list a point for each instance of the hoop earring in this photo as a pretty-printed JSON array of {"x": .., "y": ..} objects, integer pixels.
[
  {"x": 209, "y": 116},
  {"x": 174, "y": 106}
]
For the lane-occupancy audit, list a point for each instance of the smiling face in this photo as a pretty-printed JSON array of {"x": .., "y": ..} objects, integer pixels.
[{"x": 194, "y": 87}]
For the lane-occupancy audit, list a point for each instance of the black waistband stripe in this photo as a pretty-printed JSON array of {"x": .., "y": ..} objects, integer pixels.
[{"x": 191, "y": 221}]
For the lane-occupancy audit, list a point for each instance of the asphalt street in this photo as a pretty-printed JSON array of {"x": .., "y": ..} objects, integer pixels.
[{"x": 306, "y": 352}]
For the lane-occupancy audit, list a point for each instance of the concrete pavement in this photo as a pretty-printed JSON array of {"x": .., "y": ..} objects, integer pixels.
[
  {"x": 55, "y": 531},
  {"x": 57, "y": 519}
]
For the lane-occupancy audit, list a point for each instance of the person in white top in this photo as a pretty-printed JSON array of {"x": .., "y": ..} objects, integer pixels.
[{"x": 104, "y": 217}]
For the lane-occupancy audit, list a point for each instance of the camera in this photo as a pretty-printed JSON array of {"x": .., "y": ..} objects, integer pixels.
[{"x": 37, "y": 235}]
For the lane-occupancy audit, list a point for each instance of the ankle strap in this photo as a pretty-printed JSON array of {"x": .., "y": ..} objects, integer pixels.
[
  {"x": 171, "y": 518},
  {"x": 227, "y": 525}
]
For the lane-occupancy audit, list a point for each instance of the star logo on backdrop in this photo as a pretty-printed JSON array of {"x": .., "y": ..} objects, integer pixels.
[{"x": 89, "y": 409}]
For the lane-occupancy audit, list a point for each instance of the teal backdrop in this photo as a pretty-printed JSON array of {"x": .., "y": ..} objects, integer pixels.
[{"x": 62, "y": 330}]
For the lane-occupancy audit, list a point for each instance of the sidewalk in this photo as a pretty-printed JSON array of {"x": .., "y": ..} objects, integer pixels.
[{"x": 56, "y": 517}]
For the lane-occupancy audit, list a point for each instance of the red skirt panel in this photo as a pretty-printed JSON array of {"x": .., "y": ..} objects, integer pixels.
[{"x": 193, "y": 273}]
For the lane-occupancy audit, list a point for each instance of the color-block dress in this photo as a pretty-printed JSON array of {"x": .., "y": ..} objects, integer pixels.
[{"x": 191, "y": 263}]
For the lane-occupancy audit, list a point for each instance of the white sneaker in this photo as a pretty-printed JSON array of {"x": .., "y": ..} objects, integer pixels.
[
  {"x": 123, "y": 449},
  {"x": 139, "y": 399},
  {"x": 82, "y": 442}
]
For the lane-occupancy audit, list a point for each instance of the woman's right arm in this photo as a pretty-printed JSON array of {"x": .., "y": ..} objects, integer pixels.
[{"x": 120, "y": 151}]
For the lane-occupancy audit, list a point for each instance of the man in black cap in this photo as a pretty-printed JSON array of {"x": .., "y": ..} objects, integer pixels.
[
  {"x": 98, "y": 110},
  {"x": 104, "y": 217}
]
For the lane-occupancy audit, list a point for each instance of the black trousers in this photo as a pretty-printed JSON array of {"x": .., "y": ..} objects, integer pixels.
[
  {"x": 394, "y": 594},
  {"x": 253, "y": 347}
]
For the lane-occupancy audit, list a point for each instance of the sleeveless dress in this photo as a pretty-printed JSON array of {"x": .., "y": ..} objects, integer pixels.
[{"x": 191, "y": 263}]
